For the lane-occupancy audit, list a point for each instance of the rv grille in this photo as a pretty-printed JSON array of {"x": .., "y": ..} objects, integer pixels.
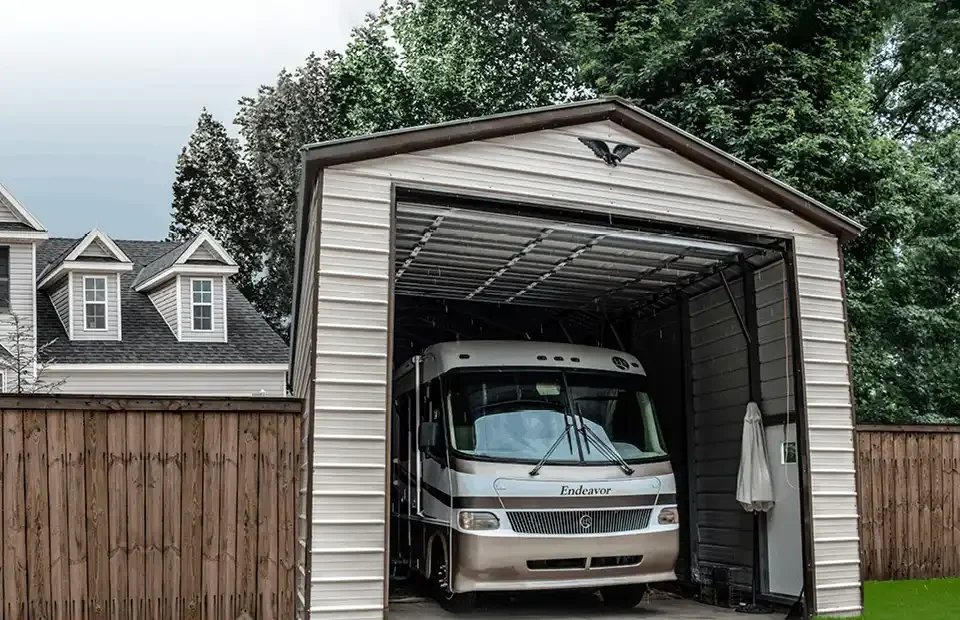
[{"x": 572, "y": 522}]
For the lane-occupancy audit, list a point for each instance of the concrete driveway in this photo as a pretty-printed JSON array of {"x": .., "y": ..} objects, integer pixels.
[{"x": 562, "y": 607}]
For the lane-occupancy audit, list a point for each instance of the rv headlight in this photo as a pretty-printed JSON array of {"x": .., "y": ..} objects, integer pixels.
[
  {"x": 479, "y": 521},
  {"x": 668, "y": 516}
]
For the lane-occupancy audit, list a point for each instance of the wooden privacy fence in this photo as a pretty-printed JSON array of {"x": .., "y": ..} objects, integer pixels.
[
  {"x": 139, "y": 509},
  {"x": 909, "y": 501}
]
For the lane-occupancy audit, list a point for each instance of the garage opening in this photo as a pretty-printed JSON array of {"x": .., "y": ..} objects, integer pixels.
[{"x": 698, "y": 324}]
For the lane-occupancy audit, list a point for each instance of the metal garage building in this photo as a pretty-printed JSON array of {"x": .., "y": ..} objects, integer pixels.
[{"x": 727, "y": 282}]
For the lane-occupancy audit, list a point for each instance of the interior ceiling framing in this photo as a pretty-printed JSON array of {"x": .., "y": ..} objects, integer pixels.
[{"x": 462, "y": 273}]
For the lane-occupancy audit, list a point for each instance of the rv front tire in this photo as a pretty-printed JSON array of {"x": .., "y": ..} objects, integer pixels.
[{"x": 623, "y": 597}]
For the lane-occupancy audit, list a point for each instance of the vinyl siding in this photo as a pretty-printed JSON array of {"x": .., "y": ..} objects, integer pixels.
[
  {"x": 78, "y": 318},
  {"x": 95, "y": 250},
  {"x": 157, "y": 382},
  {"x": 60, "y": 297},
  {"x": 552, "y": 166},
  {"x": 22, "y": 290},
  {"x": 6, "y": 212},
  {"x": 165, "y": 301},
  {"x": 721, "y": 390},
  {"x": 203, "y": 254},
  {"x": 186, "y": 311}
]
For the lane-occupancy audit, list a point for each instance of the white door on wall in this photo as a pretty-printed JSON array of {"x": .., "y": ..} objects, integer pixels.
[{"x": 784, "y": 540}]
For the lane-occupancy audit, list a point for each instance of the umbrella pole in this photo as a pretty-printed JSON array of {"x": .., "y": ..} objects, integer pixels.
[{"x": 753, "y": 607}]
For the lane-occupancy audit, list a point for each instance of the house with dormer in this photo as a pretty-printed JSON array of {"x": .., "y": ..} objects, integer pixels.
[{"x": 117, "y": 316}]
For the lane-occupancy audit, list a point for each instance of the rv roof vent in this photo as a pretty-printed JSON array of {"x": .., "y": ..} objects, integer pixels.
[
  {"x": 464, "y": 356},
  {"x": 557, "y": 358},
  {"x": 542, "y": 358},
  {"x": 635, "y": 365},
  {"x": 574, "y": 359}
]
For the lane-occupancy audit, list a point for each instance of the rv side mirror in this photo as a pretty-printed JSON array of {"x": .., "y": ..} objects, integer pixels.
[{"x": 428, "y": 436}]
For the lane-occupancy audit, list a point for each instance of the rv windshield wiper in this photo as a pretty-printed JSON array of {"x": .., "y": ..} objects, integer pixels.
[
  {"x": 610, "y": 453},
  {"x": 568, "y": 424}
]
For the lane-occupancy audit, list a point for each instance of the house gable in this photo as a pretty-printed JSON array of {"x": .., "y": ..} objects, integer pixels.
[{"x": 14, "y": 215}]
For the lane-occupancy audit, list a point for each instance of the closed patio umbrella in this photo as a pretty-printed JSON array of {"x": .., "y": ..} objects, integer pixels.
[{"x": 754, "y": 488}]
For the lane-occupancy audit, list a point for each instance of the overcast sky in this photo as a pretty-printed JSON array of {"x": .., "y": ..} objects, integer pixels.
[{"x": 97, "y": 97}]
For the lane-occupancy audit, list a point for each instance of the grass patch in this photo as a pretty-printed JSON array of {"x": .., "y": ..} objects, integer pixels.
[{"x": 926, "y": 599}]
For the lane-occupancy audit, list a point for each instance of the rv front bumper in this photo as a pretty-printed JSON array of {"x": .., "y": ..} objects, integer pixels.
[{"x": 499, "y": 563}]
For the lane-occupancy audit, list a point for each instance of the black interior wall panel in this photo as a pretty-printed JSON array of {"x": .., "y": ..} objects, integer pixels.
[
  {"x": 656, "y": 343},
  {"x": 773, "y": 324},
  {"x": 721, "y": 390}
]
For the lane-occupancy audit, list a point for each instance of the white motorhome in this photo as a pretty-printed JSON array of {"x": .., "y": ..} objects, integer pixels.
[{"x": 530, "y": 465}]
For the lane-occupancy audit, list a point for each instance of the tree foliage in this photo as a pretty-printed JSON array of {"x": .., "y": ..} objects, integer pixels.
[{"x": 855, "y": 102}]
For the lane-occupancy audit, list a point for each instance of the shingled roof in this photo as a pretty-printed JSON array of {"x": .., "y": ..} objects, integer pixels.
[{"x": 146, "y": 337}]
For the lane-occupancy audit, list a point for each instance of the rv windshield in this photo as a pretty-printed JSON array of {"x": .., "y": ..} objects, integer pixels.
[{"x": 517, "y": 415}]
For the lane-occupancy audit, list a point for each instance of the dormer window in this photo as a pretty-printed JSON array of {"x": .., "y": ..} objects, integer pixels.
[
  {"x": 95, "y": 303},
  {"x": 202, "y": 304},
  {"x": 84, "y": 286}
]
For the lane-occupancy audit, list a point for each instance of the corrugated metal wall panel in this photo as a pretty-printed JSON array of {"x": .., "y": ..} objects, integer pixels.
[
  {"x": 721, "y": 390},
  {"x": 828, "y": 397},
  {"x": 350, "y": 396},
  {"x": 554, "y": 166},
  {"x": 302, "y": 376},
  {"x": 656, "y": 341},
  {"x": 773, "y": 335}
]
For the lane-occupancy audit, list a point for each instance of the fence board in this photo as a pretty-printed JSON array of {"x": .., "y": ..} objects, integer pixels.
[
  {"x": 14, "y": 516},
  {"x": 136, "y": 505},
  {"x": 57, "y": 489},
  {"x": 74, "y": 423},
  {"x": 38, "y": 513},
  {"x": 267, "y": 529},
  {"x": 212, "y": 468},
  {"x": 936, "y": 504},
  {"x": 98, "y": 535},
  {"x": 247, "y": 471},
  {"x": 286, "y": 514},
  {"x": 153, "y": 513},
  {"x": 192, "y": 513},
  {"x": 910, "y": 485},
  {"x": 117, "y": 503},
  {"x": 865, "y": 457},
  {"x": 172, "y": 482},
  {"x": 228, "y": 513},
  {"x": 122, "y": 514}
]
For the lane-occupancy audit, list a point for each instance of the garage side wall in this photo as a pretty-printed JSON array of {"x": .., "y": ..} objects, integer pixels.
[
  {"x": 829, "y": 409},
  {"x": 347, "y": 556},
  {"x": 302, "y": 381},
  {"x": 721, "y": 390}
]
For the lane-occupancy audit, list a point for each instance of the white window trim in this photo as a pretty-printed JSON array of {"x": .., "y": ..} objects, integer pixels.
[
  {"x": 119, "y": 311},
  {"x": 223, "y": 282},
  {"x": 9, "y": 308},
  {"x": 194, "y": 304},
  {"x": 103, "y": 303}
]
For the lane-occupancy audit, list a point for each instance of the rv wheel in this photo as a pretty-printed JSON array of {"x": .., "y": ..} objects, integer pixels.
[
  {"x": 623, "y": 597},
  {"x": 450, "y": 601}
]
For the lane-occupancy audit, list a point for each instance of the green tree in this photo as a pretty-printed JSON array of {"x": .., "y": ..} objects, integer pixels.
[
  {"x": 215, "y": 190},
  {"x": 916, "y": 74},
  {"x": 406, "y": 65}
]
